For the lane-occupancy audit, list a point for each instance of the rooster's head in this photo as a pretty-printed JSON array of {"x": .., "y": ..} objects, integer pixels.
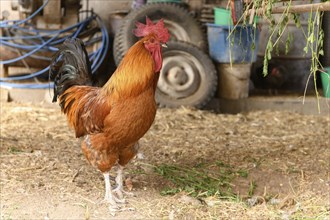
[{"x": 158, "y": 29}]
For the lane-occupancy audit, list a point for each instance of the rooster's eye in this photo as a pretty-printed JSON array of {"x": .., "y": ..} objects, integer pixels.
[{"x": 152, "y": 40}]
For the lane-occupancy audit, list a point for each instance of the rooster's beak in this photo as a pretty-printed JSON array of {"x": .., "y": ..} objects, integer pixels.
[{"x": 164, "y": 45}]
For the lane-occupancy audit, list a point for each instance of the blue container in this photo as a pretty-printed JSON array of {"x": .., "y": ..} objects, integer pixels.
[{"x": 240, "y": 47}]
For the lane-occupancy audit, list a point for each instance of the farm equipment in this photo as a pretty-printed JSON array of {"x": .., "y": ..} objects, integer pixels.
[{"x": 190, "y": 71}]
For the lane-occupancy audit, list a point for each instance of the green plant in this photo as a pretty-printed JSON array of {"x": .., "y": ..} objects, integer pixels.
[
  {"x": 314, "y": 36},
  {"x": 314, "y": 43},
  {"x": 200, "y": 180}
]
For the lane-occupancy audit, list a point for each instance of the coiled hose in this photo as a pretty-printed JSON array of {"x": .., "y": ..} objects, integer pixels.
[{"x": 29, "y": 40}]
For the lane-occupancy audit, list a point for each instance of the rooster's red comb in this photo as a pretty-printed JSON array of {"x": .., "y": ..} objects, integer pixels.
[{"x": 148, "y": 28}]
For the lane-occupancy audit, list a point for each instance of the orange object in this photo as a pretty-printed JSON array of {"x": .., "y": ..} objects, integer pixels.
[
  {"x": 112, "y": 118},
  {"x": 233, "y": 13}
]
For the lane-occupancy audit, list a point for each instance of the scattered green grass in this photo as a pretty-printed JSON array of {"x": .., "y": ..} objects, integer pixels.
[
  {"x": 14, "y": 150},
  {"x": 137, "y": 171},
  {"x": 292, "y": 169},
  {"x": 252, "y": 187},
  {"x": 201, "y": 180}
]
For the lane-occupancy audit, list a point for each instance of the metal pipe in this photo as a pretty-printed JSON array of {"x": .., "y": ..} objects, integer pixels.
[{"x": 324, "y": 6}]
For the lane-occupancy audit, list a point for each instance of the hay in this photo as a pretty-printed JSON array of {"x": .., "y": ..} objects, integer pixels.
[{"x": 284, "y": 159}]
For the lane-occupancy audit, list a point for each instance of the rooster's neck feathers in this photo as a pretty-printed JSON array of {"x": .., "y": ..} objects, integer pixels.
[{"x": 134, "y": 74}]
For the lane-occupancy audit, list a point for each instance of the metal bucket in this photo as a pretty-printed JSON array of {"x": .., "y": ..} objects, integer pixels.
[{"x": 233, "y": 80}]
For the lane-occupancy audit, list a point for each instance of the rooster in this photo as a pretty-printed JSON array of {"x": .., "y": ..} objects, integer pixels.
[
  {"x": 275, "y": 80},
  {"x": 112, "y": 118}
]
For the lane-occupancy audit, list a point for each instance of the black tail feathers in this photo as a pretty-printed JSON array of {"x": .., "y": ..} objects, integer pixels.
[{"x": 70, "y": 66}]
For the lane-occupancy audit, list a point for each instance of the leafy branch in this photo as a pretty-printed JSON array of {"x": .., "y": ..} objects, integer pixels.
[{"x": 314, "y": 37}]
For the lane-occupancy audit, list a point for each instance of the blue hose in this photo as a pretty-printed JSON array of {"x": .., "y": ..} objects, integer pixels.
[
  {"x": 103, "y": 50},
  {"x": 48, "y": 40},
  {"x": 25, "y": 77},
  {"x": 26, "y": 86},
  {"x": 28, "y": 54}
]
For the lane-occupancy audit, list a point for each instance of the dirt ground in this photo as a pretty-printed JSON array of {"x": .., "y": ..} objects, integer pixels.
[{"x": 285, "y": 156}]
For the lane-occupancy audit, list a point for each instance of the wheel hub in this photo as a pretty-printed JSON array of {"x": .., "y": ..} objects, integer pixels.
[{"x": 179, "y": 76}]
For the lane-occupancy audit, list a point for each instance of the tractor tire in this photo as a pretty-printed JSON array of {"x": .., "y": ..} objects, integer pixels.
[
  {"x": 188, "y": 77},
  {"x": 182, "y": 26}
]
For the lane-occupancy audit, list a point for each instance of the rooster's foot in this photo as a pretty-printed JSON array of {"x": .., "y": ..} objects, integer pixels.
[
  {"x": 114, "y": 201},
  {"x": 115, "y": 209},
  {"x": 120, "y": 192}
]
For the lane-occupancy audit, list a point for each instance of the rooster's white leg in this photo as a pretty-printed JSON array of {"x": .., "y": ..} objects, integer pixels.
[
  {"x": 108, "y": 193},
  {"x": 119, "y": 181}
]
